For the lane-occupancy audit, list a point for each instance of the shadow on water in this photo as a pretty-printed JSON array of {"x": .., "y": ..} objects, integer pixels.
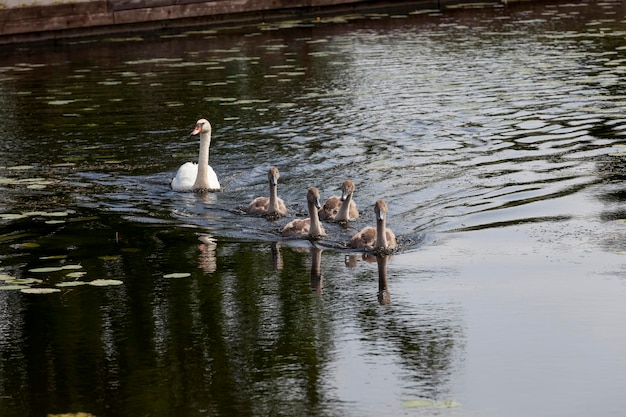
[{"x": 172, "y": 303}]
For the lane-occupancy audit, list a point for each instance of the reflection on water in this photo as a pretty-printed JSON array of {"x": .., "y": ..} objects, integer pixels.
[
  {"x": 316, "y": 269},
  {"x": 472, "y": 121},
  {"x": 384, "y": 297}
]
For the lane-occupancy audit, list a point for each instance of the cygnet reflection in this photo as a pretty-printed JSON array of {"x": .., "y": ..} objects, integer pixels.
[
  {"x": 384, "y": 297},
  {"x": 316, "y": 269},
  {"x": 351, "y": 261}
]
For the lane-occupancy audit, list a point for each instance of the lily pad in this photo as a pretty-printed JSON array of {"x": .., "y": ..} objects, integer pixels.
[
  {"x": 447, "y": 404},
  {"x": 29, "y": 245},
  {"x": 425, "y": 403},
  {"x": 40, "y": 290},
  {"x": 11, "y": 216},
  {"x": 34, "y": 213},
  {"x": 46, "y": 269},
  {"x": 419, "y": 403},
  {"x": 177, "y": 275},
  {"x": 12, "y": 287},
  {"x": 60, "y": 102},
  {"x": 25, "y": 281},
  {"x": 109, "y": 257},
  {"x": 57, "y": 214},
  {"x": 72, "y": 267},
  {"x": 71, "y": 284},
  {"x": 105, "y": 282}
]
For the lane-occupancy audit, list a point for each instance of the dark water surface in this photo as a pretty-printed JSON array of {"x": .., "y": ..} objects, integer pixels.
[{"x": 495, "y": 136}]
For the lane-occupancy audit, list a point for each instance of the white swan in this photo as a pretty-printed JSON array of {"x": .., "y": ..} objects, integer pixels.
[
  {"x": 272, "y": 206},
  {"x": 198, "y": 177},
  {"x": 341, "y": 209},
  {"x": 378, "y": 238},
  {"x": 311, "y": 227}
]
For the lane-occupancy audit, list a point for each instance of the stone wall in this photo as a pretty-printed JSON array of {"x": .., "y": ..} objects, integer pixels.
[{"x": 54, "y": 19}]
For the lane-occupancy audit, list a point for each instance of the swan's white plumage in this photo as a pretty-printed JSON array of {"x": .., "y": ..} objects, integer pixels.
[
  {"x": 186, "y": 177},
  {"x": 198, "y": 177}
]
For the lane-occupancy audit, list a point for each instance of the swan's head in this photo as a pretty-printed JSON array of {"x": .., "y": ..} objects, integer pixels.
[
  {"x": 313, "y": 197},
  {"x": 273, "y": 175},
  {"x": 380, "y": 208},
  {"x": 347, "y": 188},
  {"x": 203, "y": 126}
]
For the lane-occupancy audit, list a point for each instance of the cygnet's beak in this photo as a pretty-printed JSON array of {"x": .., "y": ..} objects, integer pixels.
[
  {"x": 197, "y": 129},
  {"x": 317, "y": 203}
]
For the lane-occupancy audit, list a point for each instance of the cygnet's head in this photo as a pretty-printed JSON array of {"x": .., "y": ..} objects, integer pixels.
[
  {"x": 380, "y": 208},
  {"x": 347, "y": 188},
  {"x": 313, "y": 196},
  {"x": 273, "y": 175}
]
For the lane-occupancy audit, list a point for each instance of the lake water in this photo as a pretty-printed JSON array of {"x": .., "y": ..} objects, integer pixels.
[{"x": 495, "y": 136}]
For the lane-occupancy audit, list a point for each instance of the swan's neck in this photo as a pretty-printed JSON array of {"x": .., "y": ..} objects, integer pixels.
[
  {"x": 202, "y": 179},
  {"x": 343, "y": 215},
  {"x": 315, "y": 228},
  {"x": 273, "y": 206},
  {"x": 381, "y": 235}
]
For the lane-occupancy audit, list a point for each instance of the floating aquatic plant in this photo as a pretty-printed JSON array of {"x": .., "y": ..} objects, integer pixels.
[
  {"x": 60, "y": 102},
  {"x": 45, "y": 269},
  {"x": 109, "y": 257},
  {"x": 16, "y": 216},
  {"x": 72, "y": 267},
  {"x": 13, "y": 287},
  {"x": 39, "y": 290},
  {"x": 70, "y": 284},
  {"x": 25, "y": 281},
  {"x": 426, "y": 403},
  {"x": 6, "y": 277},
  {"x": 105, "y": 282},
  {"x": 28, "y": 245},
  {"x": 177, "y": 275}
]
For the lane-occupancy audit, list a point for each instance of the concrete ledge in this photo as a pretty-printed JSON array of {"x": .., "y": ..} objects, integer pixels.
[{"x": 46, "y": 21}]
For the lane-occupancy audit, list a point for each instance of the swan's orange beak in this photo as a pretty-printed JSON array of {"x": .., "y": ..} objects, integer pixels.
[{"x": 197, "y": 130}]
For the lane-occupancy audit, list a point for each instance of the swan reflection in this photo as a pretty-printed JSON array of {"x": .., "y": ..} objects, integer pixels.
[{"x": 207, "y": 260}]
